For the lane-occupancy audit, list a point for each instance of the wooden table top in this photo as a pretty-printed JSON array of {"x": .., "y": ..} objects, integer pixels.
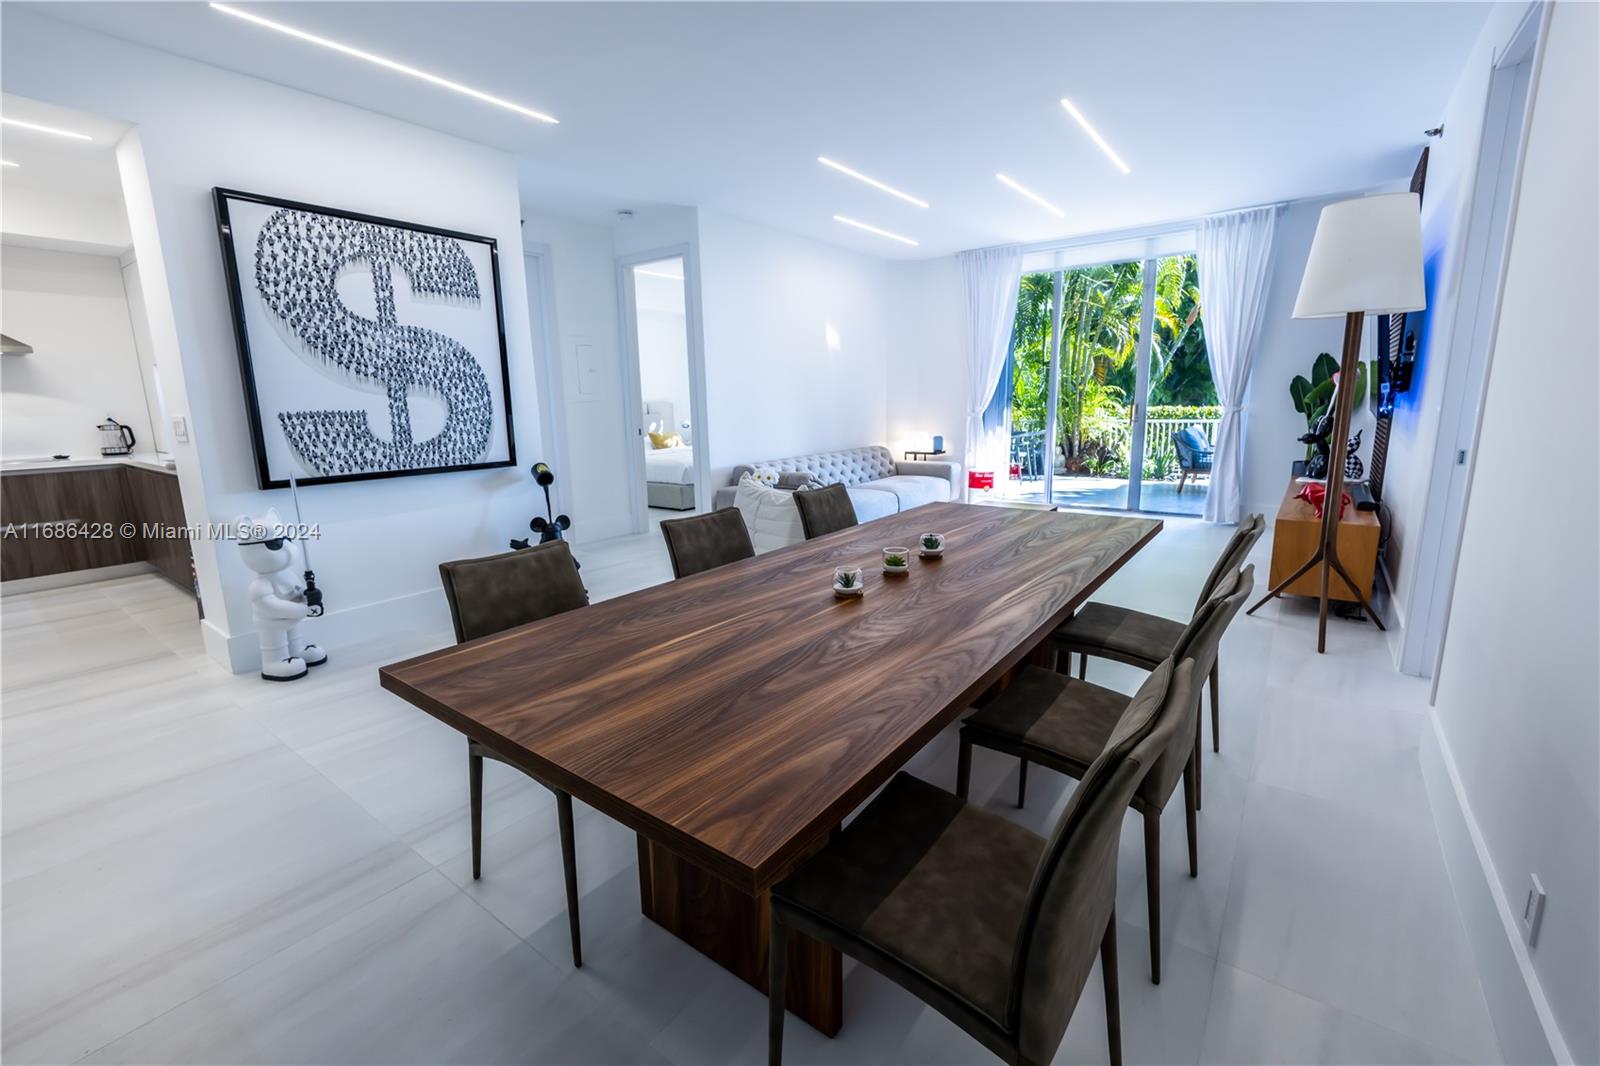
[{"x": 737, "y": 715}]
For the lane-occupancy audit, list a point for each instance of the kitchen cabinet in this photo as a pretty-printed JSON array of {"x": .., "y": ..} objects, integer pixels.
[{"x": 55, "y": 521}]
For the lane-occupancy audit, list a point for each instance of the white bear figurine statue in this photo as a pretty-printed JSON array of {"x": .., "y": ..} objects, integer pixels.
[{"x": 278, "y": 597}]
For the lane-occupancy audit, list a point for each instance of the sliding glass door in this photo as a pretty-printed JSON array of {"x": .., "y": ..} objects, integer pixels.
[{"x": 1109, "y": 391}]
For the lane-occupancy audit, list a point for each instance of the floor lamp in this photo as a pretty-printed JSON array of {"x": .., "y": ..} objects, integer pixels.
[{"x": 1366, "y": 259}]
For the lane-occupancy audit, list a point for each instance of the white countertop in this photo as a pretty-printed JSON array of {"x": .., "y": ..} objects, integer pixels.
[{"x": 42, "y": 463}]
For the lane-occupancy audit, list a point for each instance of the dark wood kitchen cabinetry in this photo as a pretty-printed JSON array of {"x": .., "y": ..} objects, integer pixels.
[{"x": 55, "y": 521}]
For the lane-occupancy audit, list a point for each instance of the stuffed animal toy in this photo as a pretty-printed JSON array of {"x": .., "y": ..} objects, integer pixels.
[{"x": 278, "y": 600}]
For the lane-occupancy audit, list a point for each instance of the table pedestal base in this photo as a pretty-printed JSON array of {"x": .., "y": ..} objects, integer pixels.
[{"x": 731, "y": 926}]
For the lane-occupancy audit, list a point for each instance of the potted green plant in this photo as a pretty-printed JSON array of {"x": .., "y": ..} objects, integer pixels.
[
  {"x": 896, "y": 560},
  {"x": 1312, "y": 396},
  {"x": 847, "y": 581},
  {"x": 932, "y": 545}
]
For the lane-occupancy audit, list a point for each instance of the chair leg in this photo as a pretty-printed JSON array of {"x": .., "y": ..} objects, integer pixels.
[
  {"x": 1197, "y": 803},
  {"x": 475, "y": 788},
  {"x": 1152, "y": 888},
  {"x": 1108, "y": 974},
  {"x": 1216, "y": 716},
  {"x": 1189, "y": 813},
  {"x": 964, "y": 768},
  {"x": 1022, "y": 785},
  {"x": 777, "y": 969},
  {"x": 1083, "y": 665},
  {"x": 569, "y": 863}
]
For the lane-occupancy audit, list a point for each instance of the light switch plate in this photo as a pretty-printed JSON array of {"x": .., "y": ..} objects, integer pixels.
[
  {"x": 1532, "y": 910},
  {"x": 180, "y": 430}
]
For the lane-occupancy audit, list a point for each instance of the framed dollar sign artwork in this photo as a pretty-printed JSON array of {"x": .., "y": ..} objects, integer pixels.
[{"x": 369, "y": 348}]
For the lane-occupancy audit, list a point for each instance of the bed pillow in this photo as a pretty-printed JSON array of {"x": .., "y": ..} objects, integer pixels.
[
  {"x": 769, "y": 514},
  {"x": 665, "y": 440}
]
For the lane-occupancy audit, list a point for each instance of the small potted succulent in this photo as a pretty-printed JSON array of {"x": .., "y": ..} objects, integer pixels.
[
  {"x": 847, "y": 581},
  {"x": 932, "y": 545},
  {"x": 896, "y": 560}
]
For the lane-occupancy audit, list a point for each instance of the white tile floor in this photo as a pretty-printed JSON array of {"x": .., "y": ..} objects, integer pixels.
[{"x": 205, "y": 868}]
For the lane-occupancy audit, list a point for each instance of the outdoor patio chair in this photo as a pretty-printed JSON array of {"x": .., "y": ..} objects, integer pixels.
[{"x": 1194, "y": 454}]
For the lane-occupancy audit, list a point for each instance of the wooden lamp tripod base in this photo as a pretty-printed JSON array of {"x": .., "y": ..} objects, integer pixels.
[{"x": 1327, "y": 552}]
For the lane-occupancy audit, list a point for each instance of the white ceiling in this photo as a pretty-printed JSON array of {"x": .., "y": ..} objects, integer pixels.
[
  {"x": 61, "y": 165},
  {"x": 727, "y": 105}
]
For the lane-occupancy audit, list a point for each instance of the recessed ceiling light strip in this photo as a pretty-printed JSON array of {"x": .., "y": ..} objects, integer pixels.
[
  {"x": 7, "y": 163},
  {"x": 874, "y": 182},
  {"x": 1094, "y": 135},
  {"x": 1035, "y": 197},
  {"x": 382, "y": 61},
  {"x": 875, "y": 229},
  {"x": 657, "y": 274},
  {"x": 17, "y": 122}
]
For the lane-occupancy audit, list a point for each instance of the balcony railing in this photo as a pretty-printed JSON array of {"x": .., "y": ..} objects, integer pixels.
[{"x": 1161, "y": 458}]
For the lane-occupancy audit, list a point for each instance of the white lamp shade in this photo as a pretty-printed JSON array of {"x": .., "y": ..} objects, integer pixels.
[{"x": 1366, "y": 256}]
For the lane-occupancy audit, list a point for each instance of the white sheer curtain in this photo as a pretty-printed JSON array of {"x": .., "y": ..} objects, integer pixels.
[
  {"x": 991, "y": 276},
  {"x": 1235, "y": 257}
]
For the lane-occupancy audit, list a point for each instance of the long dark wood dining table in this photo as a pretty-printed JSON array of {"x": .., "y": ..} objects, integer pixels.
[{"x": 734, "y": 718}]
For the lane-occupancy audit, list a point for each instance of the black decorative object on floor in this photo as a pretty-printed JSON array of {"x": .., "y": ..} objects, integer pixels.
[{"x": 552, "y": 525}]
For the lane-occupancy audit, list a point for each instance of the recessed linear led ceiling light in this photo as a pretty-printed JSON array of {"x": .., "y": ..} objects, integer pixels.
[
  {"x": 1094, "y": 135},
  {"x": 8, "y": 163},
  {"x": 874, "y": 182},
  {"x": 875, "y": 229},
  {"x": 382, "y": 61},
  {"x": 52, "y": 130},
  {"x": 657, "y": 274},
  {"x": 1035, "y": 197}
]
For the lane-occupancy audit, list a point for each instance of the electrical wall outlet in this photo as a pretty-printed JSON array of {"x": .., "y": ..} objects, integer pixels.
[{"x": 1532, "y": 910}]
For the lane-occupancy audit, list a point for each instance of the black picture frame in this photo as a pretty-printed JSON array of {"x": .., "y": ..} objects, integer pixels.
[{"x": 221, "y": 197}]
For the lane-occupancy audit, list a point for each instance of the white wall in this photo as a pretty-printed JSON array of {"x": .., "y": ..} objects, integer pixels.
[
  {"x": 1452, "y": 161},
  {"x": 64, "y": 219},
  {"x": 583, "y": 276},
  {"x": 197, "y": 127},
  {"x": 663, "y": 342},
  {"x": 927, "y": 356},
  {"x": 775, "y": 384},
  {"x": 73, "y": 309},
  {"x": 1518, "y": 704}
]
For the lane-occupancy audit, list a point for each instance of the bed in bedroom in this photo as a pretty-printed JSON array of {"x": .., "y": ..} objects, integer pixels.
[{"x": 669, "y": 471}]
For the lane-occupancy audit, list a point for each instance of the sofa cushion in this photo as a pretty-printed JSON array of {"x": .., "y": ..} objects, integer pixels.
[
  {"x": 912, "y": 490},
  {"x": 769, "y": 514},
  {"x": 872, "y": 503}
]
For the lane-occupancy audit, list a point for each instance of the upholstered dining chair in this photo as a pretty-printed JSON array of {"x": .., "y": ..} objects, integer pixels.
[
  {"x": 706, "y": 541},
  {"x": 499, "y": 592},
  {"x": 990, "y": 924},
  {"x": 824, "y": 511},
  {"x": 1049, "y": 718},
  {"x": 1106, "y": 631}
]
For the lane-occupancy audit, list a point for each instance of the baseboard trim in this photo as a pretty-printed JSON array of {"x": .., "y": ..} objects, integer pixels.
[
  {"x": 417, "y": 612},
  {"x": 19, "y": 585},
  {"x": 1523, "y": 1021}
]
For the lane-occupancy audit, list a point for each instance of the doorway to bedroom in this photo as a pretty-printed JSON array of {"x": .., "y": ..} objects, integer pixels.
[{"x": 666, "y": 461}]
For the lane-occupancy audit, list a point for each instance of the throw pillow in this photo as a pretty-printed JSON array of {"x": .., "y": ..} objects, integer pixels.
[
  {"x": 769, "y": 514},
  {"x": 665, "y": 440},
  {"x": 798, "y": 479}
]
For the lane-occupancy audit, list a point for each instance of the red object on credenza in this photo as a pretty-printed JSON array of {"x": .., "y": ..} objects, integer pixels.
[
  {"x": 1016, "y": 471},
  {"x": 980, "y": 479}
]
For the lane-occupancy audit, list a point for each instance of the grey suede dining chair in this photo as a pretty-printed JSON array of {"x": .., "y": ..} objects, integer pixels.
[
  {"x": 706, "y": 541},
  {"x": 496, "y": 593},
  {"x": 990, "y": 924},
  {"x": 1106, "y": 631},
  {"x": 824, "y": 511},
  {"x": 1062, "y": 723}
]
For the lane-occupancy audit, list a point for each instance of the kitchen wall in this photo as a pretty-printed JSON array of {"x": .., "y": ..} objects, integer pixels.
[
  {"x": 1516, "y": 728},
  {"x": 198, "y": 127},
  {"x": 73, "y": 308},
  {"x": 796, "y": 340}
]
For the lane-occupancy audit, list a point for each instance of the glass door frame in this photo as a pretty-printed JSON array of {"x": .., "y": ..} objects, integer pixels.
[{"x": 1141, "y": 397}]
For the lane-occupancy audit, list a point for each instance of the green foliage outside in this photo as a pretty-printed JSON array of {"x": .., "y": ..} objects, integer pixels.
[{"x": 1099, "y": 337}]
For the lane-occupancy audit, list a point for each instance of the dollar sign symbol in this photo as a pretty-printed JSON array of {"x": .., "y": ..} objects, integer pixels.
[{"x": 299, "y": 256}]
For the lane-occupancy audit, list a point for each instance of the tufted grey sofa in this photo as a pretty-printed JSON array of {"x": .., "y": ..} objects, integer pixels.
[{"x": 878, "y": 484}]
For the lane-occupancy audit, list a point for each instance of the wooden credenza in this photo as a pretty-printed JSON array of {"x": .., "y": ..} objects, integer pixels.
[
  {"x": 1296, "y": 534},
  {"x": 39, "y": 507}
]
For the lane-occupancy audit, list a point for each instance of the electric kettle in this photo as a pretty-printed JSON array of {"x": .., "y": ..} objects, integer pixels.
[{"x": 115, "y": 438}]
